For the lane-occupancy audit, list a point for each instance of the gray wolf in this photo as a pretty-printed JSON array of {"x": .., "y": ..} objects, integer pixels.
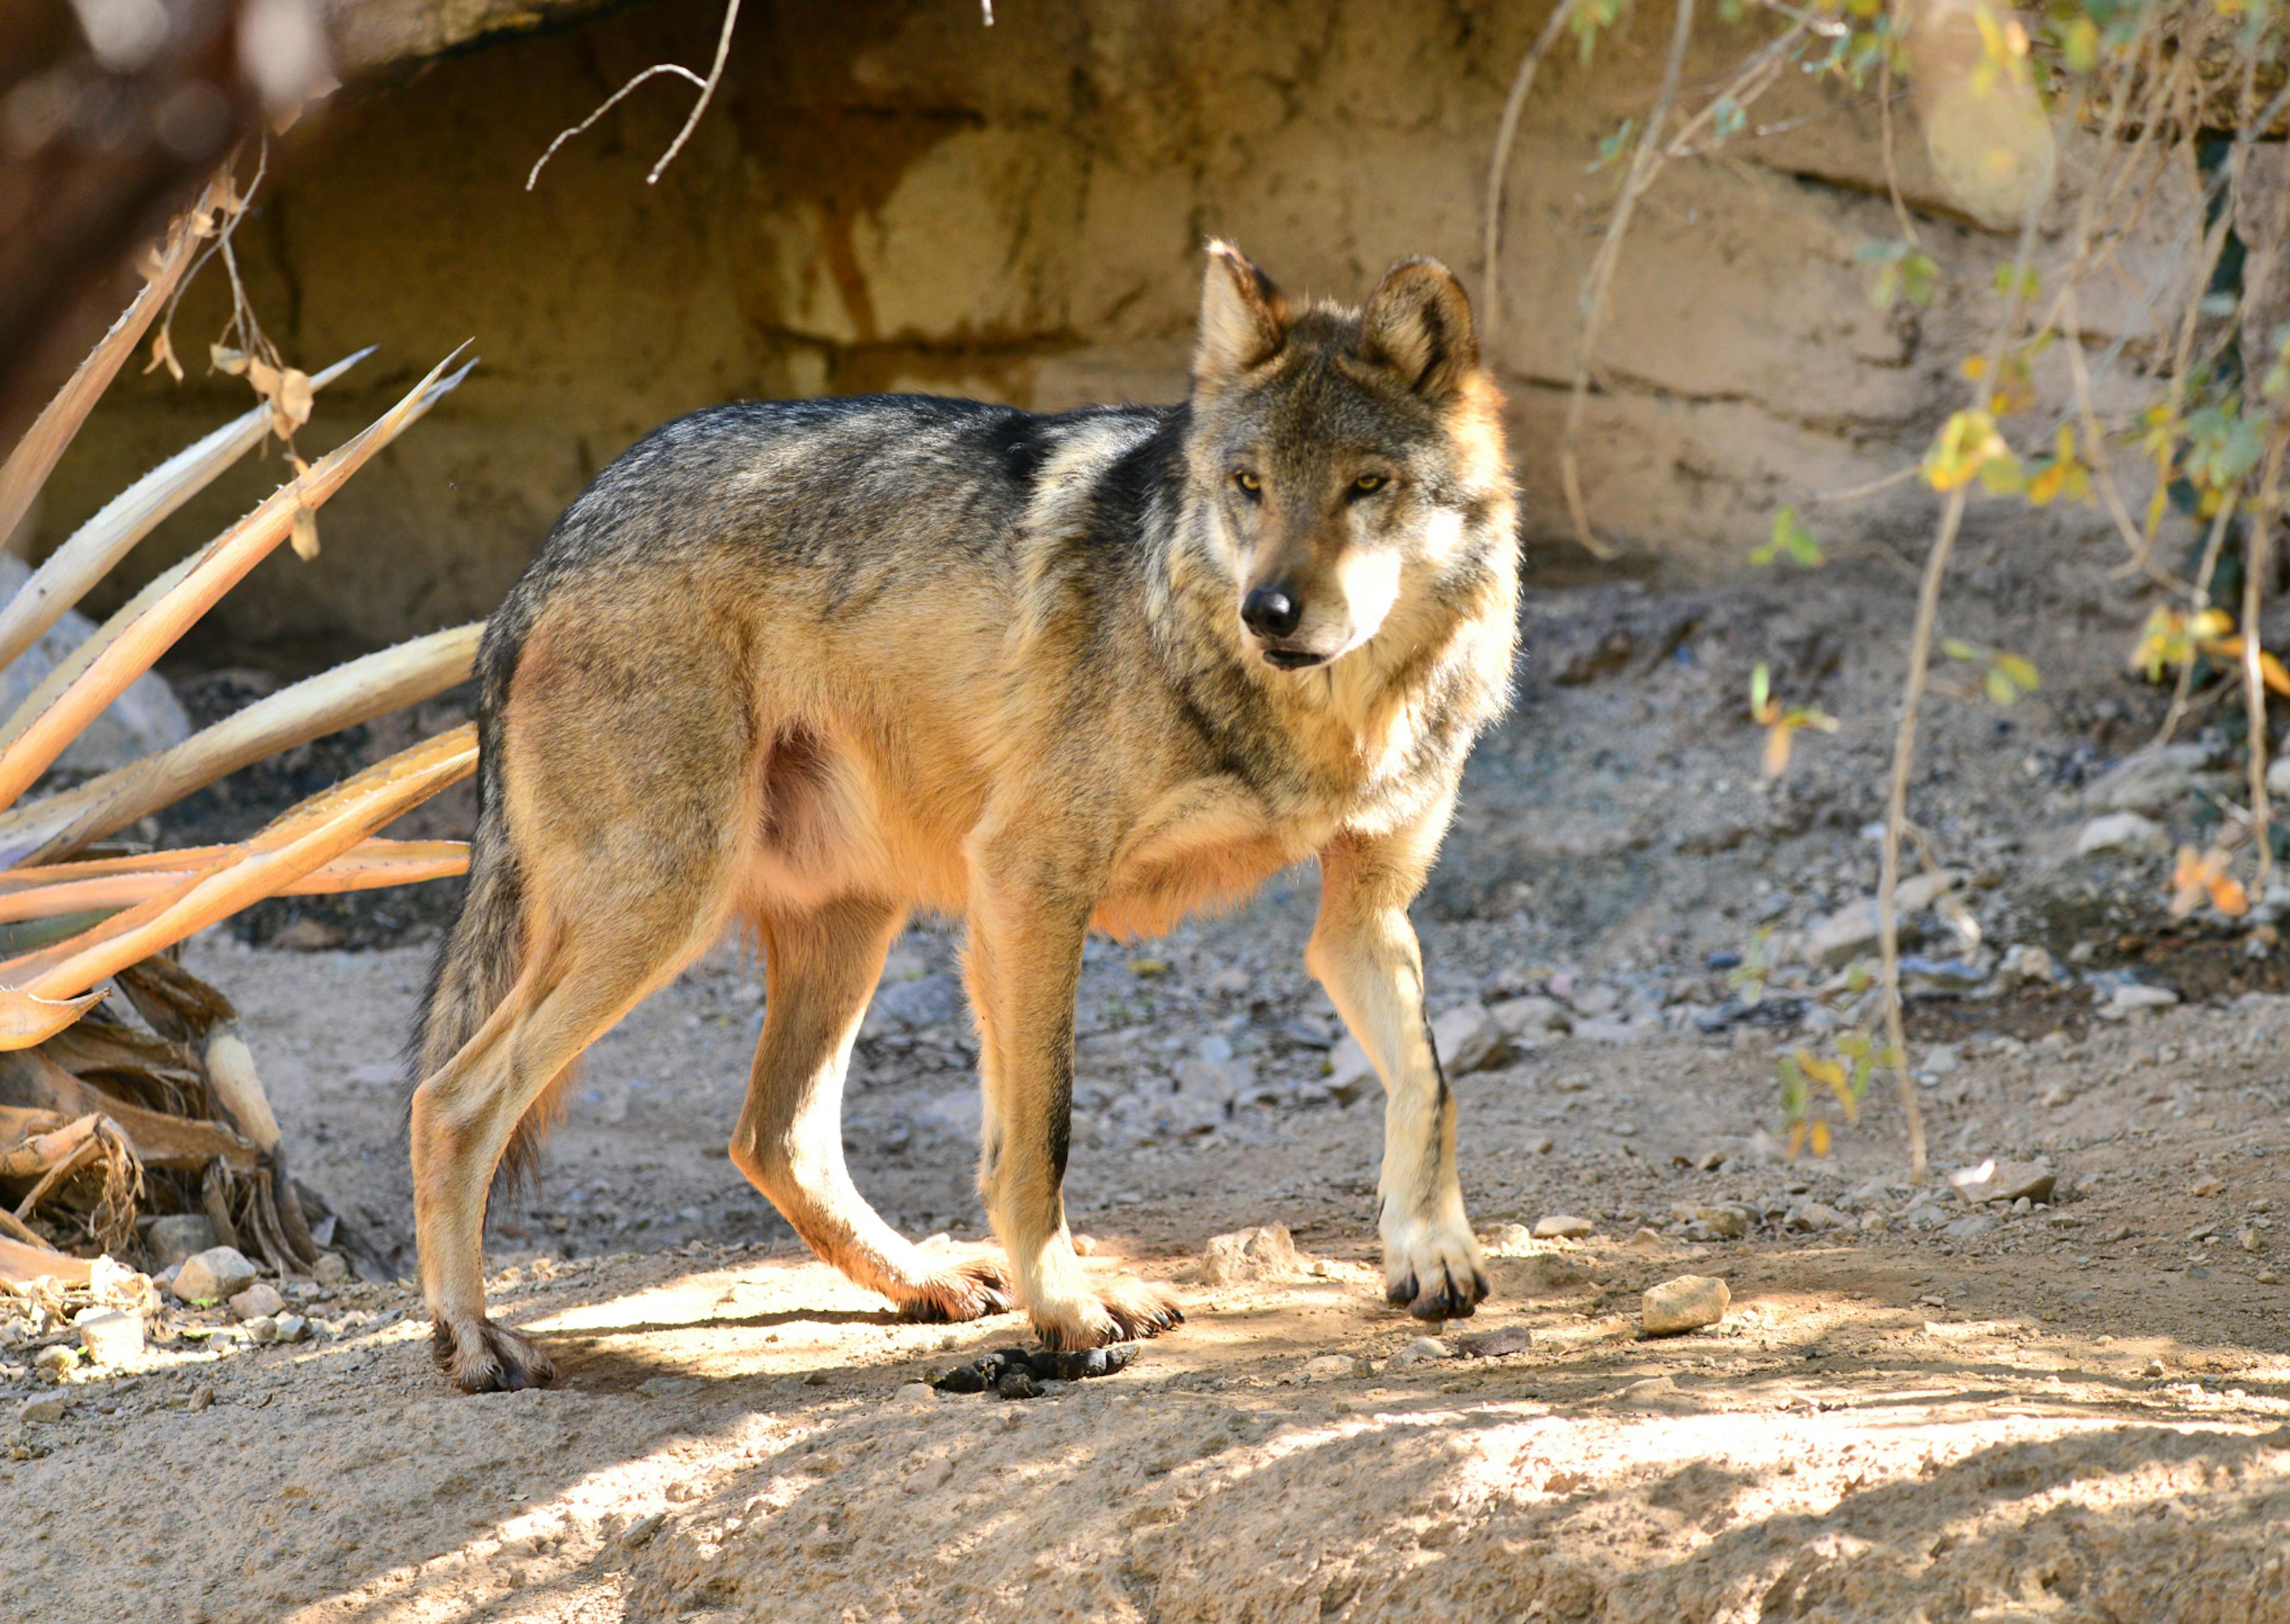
[{"x": 816, "y": 665}]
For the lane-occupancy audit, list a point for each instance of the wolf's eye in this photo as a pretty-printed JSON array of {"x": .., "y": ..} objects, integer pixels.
[
  {"x": 1249, "y": 484},
  {"x": 1368, "y": 483}
]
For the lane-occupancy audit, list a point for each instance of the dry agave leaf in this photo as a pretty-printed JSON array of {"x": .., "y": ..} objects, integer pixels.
[{"x": 233, "y": 362}]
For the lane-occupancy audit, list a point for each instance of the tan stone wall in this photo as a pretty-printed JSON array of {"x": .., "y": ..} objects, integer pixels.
[{"x": 889, "y": 195}]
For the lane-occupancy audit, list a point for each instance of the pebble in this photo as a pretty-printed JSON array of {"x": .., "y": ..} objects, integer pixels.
[
  {"x": 2008, "y": 1181},
  {"x": 259, "y": 1300},
  {"x": 55, "y": 1360},
  {"x": 2129, "y": 996},
  {"x": 1495, "y": 1344},
  {"x": 1971, "y": 1229},
  {"x": 1526, "y": 1021},
  {"x": 915, "y": 1396},
  {"x": 1467, "y": 1038},
  {"x": 48, "y": 1407},
  {"x": 1263, "y": 1251},
  {"x": 2150, "y": 779},
  {"x": 1325, "y": 1367},
  {"x": 1723, "y": 1223},
  {"x": 671, "y": 1386},
  {"x": 1686, "y": 1303},
  {"x": 1423, "y": 1350},
  {"x": 1562, "y": 1227},
  {"x": 1851, "y": 929},
  {"x": 1816, "y": 1215},
  {"x": 293, "y": 1328},
  {"x": 1350, "y": 1073},
  {"x": 113, "y": 1338},
  {"x": 639, "y": 1533},
  {"x": 2126, "y": 832},
  {"x": 331, "y": 1268},
  {"x": 212, "y": 1275},
  {"x": 262, "y": 1329}
]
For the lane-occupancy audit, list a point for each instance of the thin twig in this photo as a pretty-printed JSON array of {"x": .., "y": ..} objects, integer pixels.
[
  {"x": 1904, "y": 740},
  {"x": 1499, "y": 167},
  {"x": 2198, "y": 601},
  {"x": 692, "y": 120},
  {"x": 2255, "y": 563},
  {"x": 1643, "y": 167}
]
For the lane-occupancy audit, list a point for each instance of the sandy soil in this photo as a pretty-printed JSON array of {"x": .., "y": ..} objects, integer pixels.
[{"x": 1914, "y": 1409}]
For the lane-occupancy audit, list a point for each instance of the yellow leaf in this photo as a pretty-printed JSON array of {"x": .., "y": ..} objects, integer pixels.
[
  {"x": 162, "y": 354},
  {"x": 1777, "y": 747},
  {"x": 2271, "y": 671},
  {"x": 1821, "y": 1138},
  {"x": 2228, "y": 896}
]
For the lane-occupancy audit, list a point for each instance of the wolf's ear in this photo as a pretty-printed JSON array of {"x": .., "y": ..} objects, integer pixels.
[
  {"x": 1417, "y": 324},
  {"x": 1244, "y": 319}
]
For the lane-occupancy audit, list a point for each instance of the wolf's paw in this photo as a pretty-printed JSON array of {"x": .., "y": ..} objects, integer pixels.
[
  {"x": 968, "y": 1290},
  {"x": 1115, "y": 1311},
  {"x": 1432, "y": 1271},
  {"x": 479, "y": 1356}
]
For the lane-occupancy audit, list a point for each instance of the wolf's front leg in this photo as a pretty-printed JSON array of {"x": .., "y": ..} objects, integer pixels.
[
  {"x": 1024, "y": 969},
  {"x": 1363, "y": 951}
]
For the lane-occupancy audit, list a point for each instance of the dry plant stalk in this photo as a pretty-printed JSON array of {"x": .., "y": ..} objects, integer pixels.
[{"x": 179, "y": 1097}]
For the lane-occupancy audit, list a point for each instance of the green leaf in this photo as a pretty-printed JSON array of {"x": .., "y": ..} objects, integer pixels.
[{"x": 1761, "y": 687}]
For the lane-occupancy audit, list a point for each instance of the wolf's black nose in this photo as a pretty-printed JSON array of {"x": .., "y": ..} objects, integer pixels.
[{"x": 1270, "y": 611}]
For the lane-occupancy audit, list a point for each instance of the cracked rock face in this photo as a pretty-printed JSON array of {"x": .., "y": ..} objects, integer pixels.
[{"x": 916, "y": 202}]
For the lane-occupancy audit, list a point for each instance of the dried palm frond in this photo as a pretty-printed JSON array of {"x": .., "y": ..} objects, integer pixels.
[{"x": 92, "y": 1102}]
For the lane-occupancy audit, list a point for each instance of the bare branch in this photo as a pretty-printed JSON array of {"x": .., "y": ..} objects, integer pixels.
[{"x": 692, "y": 120}]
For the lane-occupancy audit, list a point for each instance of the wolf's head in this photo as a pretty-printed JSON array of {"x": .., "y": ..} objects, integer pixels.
[{"x": 1348, "y": 463}]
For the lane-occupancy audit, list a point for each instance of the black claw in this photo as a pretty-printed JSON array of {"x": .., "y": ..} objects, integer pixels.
[{"x": 1404, "y": 1291}]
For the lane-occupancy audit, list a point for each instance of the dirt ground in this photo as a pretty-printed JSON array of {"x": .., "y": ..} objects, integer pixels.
[{"x": 2069, "y": 1409}]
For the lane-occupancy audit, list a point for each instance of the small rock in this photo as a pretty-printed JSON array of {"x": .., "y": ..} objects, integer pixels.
[
  {"x": 2006, "y": 1181},
  {"x": 1562, "y": 1227},
  {"x": 1851, "y": 929},
  {"x": 1971, "y": 1229},
  {"x": 1686, "y": 1303},
  {"x": 1814, "y": 1215},
  {"x": 177, "y": 1236},
  {"x": 1466, "y": 1038},
  {"x": 639, "y": 1533},
  {"x": 2026, "y": 965},
  {"x": 55, "y": 1359},
  {"x": 2148, "y": 780},
  {"x": 262, "y": 1329},
  {"x": 1350, "y": 1073},
  {"x": 48, "y": 1407},
  {"x": 1265, "y": 1251},
  {"x": 2129, "y": 996},
  {"x": 1495, "y": 1344},
  {"x": 1724, "y": 1223},
  {"x": 2250, "y": 1241},
  {"x": 256, "y": 1301},
  {"x": 293, "y": 1328},
  {"x": 915, "y": 1396},
  {"x": 1325, "y": 1367},
  {"x": 1423, "y": 1350},
  {"x": 1510, "y": 1241},
  {"x": 1527, "y": 1020},
  {"x": 212, "y": 1275},
  {"x": 669, "y": 1387},
  {"x": 331, "y": 1268},
  {"x": 2126, "y": 832},
  {"x": 112, "y": 1339}
]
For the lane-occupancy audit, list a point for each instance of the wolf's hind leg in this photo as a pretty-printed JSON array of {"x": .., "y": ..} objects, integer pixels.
[{"x": 820, "y": 969}]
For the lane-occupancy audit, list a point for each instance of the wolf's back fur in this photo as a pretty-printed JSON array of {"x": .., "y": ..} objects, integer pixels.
[{"x": 818, "y": 664}]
